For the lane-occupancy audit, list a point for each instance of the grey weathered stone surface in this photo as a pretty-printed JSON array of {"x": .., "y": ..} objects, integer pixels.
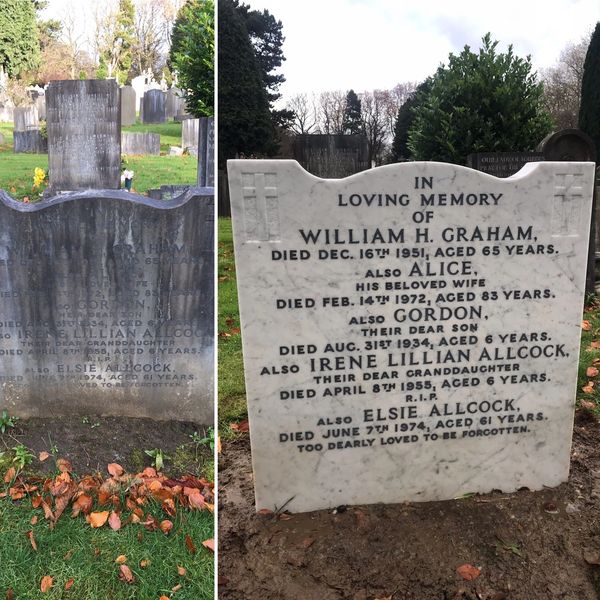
[
  {"x": 206, "y": 152},
  {"x": 568, "y": 144},
  {"x": 26, "y": 118},
  {"x": 127, "y": 106},
  {"x": 140, "y": 143},
  {"x": 84, "y": 134},
  {"x": 6, "y": 114},
  {"x": 501, "y": 164},
  {"x": 107, "y": 306},
  {"x": 29, "y": 141},
  {"x": 175, "y": 102},
  {"x": 40, "y": 103},
  {"x": 190, "y": 129},
  {"x": 154, "y": 107},
  {"x": 169, "y": 192}
]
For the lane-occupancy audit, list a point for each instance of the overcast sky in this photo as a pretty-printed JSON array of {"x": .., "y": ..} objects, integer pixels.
[{"x": 375, "y": 44}]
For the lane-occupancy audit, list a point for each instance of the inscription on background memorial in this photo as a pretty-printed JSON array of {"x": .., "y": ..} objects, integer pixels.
[
  {"x": 107, "y": 306},
  {"x": 411, "y": 332}
]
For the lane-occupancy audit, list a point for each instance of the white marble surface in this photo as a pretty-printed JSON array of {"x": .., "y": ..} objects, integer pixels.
[{"x": 507, "y": 348}]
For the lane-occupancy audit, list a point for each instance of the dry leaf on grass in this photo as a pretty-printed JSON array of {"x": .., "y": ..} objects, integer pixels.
[
  {"x": 43, "y": 455},
  {"x": 125, "y": 574},
  {"x": 97, "y": 519},
  {"x": 69, "y": 584},
  {"x": 31, "y": 539},
  {"x": 46, "y": 584},
  {"x": 190, "y": 544},
  {"x": 210, "y": 544},
  {"x": 166, "y": 526},
  {"x": 83, "y": 504},
  {"x": 10, "y": 475},
  {"x": 592, "y": 372},
  {"x": 63, "y": 465},
  {"x": 586, "y": 325},
  {"x": 121, "y": 559},
  {"x": 114, "y": 521},
  {"x": 182, "y": 571}
]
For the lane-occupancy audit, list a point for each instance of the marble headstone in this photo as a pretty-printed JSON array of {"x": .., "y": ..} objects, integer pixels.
[
  {"x": 154, "y": 107},
  {"x": 107, "y": 305},
  {"x": 206, "y": 152},
  {"x": 84, "y": 134},
  {"x": 127, "y": 106},
  {"x": 410, "y": 333}
]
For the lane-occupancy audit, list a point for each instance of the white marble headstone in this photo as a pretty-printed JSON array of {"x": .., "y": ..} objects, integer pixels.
[{"x": 411, "y": 332}]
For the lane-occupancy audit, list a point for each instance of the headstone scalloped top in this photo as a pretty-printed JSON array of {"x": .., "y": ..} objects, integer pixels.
[{"x": 410, "y": 332}]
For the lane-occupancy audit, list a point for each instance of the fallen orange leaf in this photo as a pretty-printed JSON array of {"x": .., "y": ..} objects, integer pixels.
[
  {"x": 121, "y": 559},
  {"x": 144, "y": 563},
  {"x": 589, "y": 388},
  {"x": 114, "y": 521},
  {"x": 218, "y": 444},
  {"x": 176, "y": 588},
  {"x": 34, "y": 520},
  {"x": 190, "y": 544},
  {"x": 587, "y": 405},
  {"x": 69, "y": 584},
  {"x": 586, "y": 325},
  {"x": 182, "y": 571},
  {"x": 592, "y": 372},
  {"x": 29, "y": 535},
  {"x": 82, "y": 504},
  {"x": 210, "y": 544},
  {"x": 44, "y": 455},
  {"x": 46, "y": 584},
  {"x": 97, "y": 519},
  {"x": 115, "y": 469},
  {"x": 125, "y": 574},
  {"x": 468, "y": 572},
  {"x": 166, "y": 526},
  {"x": 10, "y": 475},
  {"x": 63, "y": 465}
]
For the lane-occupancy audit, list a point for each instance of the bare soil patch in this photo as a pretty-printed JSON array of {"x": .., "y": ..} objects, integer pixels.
[{"x": 528, "y": 545}]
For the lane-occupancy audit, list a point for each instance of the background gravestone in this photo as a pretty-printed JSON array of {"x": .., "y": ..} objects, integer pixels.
[
  {"x": 189, "y": 133},
  {"x": 412, "y": 332},
  {"x": 26, "y": 118},
  {"x": 84, "y": 134},
  {"x": 30, "y": 141},
  {"x": 140, "y": 143},
  {"x": 40, "y": 103},
  {"x": 127, "y": 106},
  {"x": 206, "y": 152},
  {"x": 502, "y": 164},
  {"x": 174, "y": 103},
  {"x": 107, "y": 306},
  {"x": 154, "y": 106}
]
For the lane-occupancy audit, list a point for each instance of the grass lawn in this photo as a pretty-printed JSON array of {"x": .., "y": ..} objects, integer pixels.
[
  {"x": 16, "y": 170},
  {"x": 73, "y": 550},
  {"x": 232, "y": 389}
]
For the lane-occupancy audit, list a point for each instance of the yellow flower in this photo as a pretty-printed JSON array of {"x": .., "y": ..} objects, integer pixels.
[{"x": 38, "y": 176}]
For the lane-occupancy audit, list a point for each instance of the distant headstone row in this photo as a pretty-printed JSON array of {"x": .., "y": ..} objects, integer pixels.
[{"x": 140, "y": 143}]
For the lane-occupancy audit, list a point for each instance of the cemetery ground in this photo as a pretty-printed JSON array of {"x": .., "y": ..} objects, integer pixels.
[
  {"x": 17, "y": 170},
  {"x": 524, "y": 546},
  {"x": 105, "y": 507}
]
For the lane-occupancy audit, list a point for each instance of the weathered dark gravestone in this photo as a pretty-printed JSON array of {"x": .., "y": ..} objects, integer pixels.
[
  {"x": 206, "y": 152},
  {"x": 25, "y": 118},
  {"x": 107, "y": 306},
  {"x": 502, "y": 164},
  {"x": 40, "y": 103},
  {"x": 127, "y": 106},
  {"x": 175, "y": 103},
  {"x": 84, "y": 134},
  {"x": 154, "y": 107},
  {"x": 30, "y": 141},
  {"x": 140, "y": 143},
  {"x": 568, "y": 144}
]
